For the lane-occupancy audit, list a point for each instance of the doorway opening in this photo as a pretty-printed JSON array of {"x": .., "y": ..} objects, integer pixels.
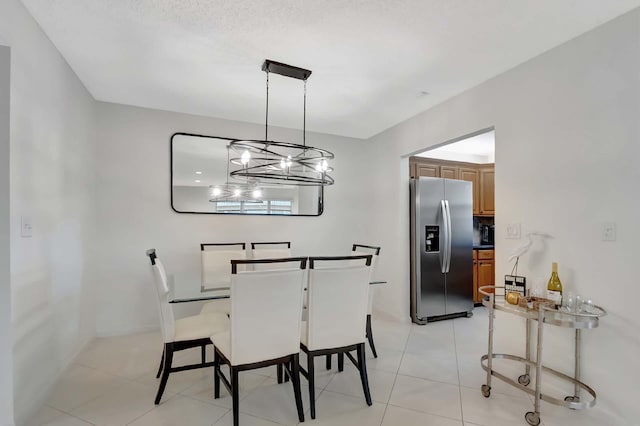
[{"x": 469, "y": 158}]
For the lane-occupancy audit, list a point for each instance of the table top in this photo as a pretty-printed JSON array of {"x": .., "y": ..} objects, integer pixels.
[{"x": 187, "y": 287}]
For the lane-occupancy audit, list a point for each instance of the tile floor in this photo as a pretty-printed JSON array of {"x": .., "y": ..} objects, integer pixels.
[{"x": 425, "y": 375}]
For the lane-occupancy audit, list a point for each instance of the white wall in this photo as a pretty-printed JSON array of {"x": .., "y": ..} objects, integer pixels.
[
  {"x": 567, "y": 152},
  {"x": 6, "y": 351},
  {"x": 135, "y": 214},
  {"x": 52, "y": 163}
]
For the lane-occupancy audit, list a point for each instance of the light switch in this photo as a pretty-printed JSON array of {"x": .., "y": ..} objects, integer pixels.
[
  {"x": 26, "y": 227},
  {"x": 513, "y": 231}
]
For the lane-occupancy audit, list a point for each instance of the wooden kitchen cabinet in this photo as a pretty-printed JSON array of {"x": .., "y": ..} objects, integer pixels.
[
  {"x": 481, "y": 176},
  {"x": 487, "y": 189},
  {"x": 483, "y": 271},
  {"x": 428, "y": 170},
  {"x": 471, "y": 175},
  {"x": 449, "y": 172}
]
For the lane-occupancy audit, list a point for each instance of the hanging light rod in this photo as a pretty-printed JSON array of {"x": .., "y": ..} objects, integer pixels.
[{"x": 285, "y": 70}]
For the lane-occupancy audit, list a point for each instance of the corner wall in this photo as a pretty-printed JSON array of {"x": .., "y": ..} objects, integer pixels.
[
  {"x": 52, "y": 165},
  {"x": 567, "y": 152},
  {"x": 6, "y": 352},
  {"x": 135, "y": 214}
]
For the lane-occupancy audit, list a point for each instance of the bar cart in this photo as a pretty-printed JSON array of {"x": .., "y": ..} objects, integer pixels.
[{"x": 543, "y": 315}]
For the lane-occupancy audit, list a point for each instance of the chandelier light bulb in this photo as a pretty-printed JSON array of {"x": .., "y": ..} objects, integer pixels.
[
  {"x": 283, "y": 164},
  {"x": 257, "y": 193},
  {"x": 237, "y": 192},
  {"x": 245, "y": 157},
  {"x": 324, "y": 165},
  {"x": 216, "y": 191}
]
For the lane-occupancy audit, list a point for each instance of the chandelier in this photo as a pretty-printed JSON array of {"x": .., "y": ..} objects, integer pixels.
[{"x": 282, "y": 162}]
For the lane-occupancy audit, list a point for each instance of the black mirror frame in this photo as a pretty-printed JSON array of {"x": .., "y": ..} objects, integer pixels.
[{"x": 320, "y": 198}]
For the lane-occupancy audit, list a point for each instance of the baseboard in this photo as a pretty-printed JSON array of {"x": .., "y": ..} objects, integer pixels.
[{"x": 127, "y": 331}]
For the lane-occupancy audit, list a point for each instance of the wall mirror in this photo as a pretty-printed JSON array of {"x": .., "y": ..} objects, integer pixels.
[{"x": 200, "y": 183}]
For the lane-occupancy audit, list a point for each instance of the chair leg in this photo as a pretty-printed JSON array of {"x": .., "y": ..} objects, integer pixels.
[
  {"x": 216, "y": 374},
  {"x": 312, "y": 387},
  {"x": 329, "y": 362},
  {"x": 286, "y": 375},
  {"x": 161, "y": 364},
  {"x": 362, "y": 364},
  {"x": 168, "y": 358},
  {"x": 370, "y": 337},
  {"x": 235, "y": 396},
  {"x": 280, "y": 374},
  {"x": 204, "y": 353},
  {"x": 295, "y": 380},
  {"x": 340, "y": 362}
]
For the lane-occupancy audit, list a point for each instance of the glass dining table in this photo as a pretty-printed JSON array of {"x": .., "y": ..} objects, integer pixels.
[{"x": 187, "y": 287}]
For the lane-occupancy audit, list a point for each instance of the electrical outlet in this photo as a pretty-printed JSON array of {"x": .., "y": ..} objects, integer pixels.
[
  {"x": 513, "y": 231},
  {"x": 26, "y": 228},
  {"x": 608, "y": 231}
]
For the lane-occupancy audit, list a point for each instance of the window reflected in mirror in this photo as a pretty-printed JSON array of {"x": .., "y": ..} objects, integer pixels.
[{"x": 201, "y": 183}]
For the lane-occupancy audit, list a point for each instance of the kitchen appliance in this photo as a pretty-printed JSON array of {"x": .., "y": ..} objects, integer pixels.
[
  {"x": 486, "y": 234},
  {"x": 441, "y": 249}
]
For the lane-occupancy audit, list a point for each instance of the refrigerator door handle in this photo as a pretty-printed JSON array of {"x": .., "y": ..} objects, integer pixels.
[
  {"x": 444, "y": 253},
  {"x": 449, "y": 236}
]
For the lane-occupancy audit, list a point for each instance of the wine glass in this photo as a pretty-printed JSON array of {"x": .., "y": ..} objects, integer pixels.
[
  {"x": 578, "y": 304},
  {"x": 568, "y": 302},
  {"x": 587, "y": 306}
]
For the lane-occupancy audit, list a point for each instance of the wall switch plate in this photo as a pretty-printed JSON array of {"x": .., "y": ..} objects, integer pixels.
[
  {"x": 26, "y": 227},
  {"x": 513, "y": 231},
  {"x": 608, "y": 231}
]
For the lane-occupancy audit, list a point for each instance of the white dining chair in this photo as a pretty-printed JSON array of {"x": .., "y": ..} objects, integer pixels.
[
  {"x": 269, "y": 250},
  {"x": 265, "y": 325},
  {"x": 180, "y": 334},
  {"x": 337, "y": 309},
  {"x": 375, "y": 251},
  {"x": 216, "y": 273}
]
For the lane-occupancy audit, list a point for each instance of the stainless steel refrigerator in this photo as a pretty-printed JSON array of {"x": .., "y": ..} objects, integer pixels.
[{"x": 441, "y": 249}]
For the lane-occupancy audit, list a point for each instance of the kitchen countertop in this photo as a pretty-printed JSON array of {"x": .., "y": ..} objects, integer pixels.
[{"x": 483, "y": 247}]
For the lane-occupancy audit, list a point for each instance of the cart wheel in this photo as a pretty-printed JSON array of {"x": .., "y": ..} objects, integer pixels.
[
  {"x": 525, "y": 379},
  {"x": 572, "y": 399},
  {"x": 486, "y": 391},
  {"x": 532, "y": 418}
]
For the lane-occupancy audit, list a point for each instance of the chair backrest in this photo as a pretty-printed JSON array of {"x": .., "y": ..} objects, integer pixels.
[
  {"x": 167, "y": 320},
  {"x": 266, "y": 310},
  {"x": 216, "y": 264},
  {"x": 338, "y": 297},
  {"x": 270, "y": 250},
  {"x": 375, "y": 251}
]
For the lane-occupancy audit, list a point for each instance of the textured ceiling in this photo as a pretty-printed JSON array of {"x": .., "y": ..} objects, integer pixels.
[{"x": 371, "y": 59}]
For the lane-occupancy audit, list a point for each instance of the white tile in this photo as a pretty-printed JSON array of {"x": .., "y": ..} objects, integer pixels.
[
  {"x": 181, "y": 410},
  {"x": 178, "y": 381},
  {"x": 125, "y": 356},
  {"x": 438, "y": 368},
  {"x": 497, "y": 410},
  {"x": 120, "y": 406},
  {"x": 275, "y": 402},
  {"x": 340, "y": 410},
  {"x": 48, "y": 416},
  {"x": 245, "y": 420},
  {"x": 79, "y": 385},
  {"x": 473, "y": 376},
  {"x": 554, "y": 415},
  {"x": 348, "y": 382},
  {"x": 388, "y": 359},
  {"x": 396, "y": 416},
  {"x": 431, "y": 397},
  {"x": 203, "y": 389}
]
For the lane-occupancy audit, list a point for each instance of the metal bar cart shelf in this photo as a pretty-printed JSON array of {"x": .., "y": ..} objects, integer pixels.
[{"x": 544, "y": 315}]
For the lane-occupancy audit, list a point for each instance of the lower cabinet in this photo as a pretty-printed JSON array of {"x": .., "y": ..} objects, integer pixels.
[{"x": 483, "y": 271}]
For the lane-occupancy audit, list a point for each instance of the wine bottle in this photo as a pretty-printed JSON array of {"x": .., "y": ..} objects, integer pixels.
[{"x": 554, "y": 288}]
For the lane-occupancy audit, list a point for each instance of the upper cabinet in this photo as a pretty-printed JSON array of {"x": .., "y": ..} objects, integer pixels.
[
  {"x": 487, "y": 189},
  {"x": 481, "y": 177}
]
